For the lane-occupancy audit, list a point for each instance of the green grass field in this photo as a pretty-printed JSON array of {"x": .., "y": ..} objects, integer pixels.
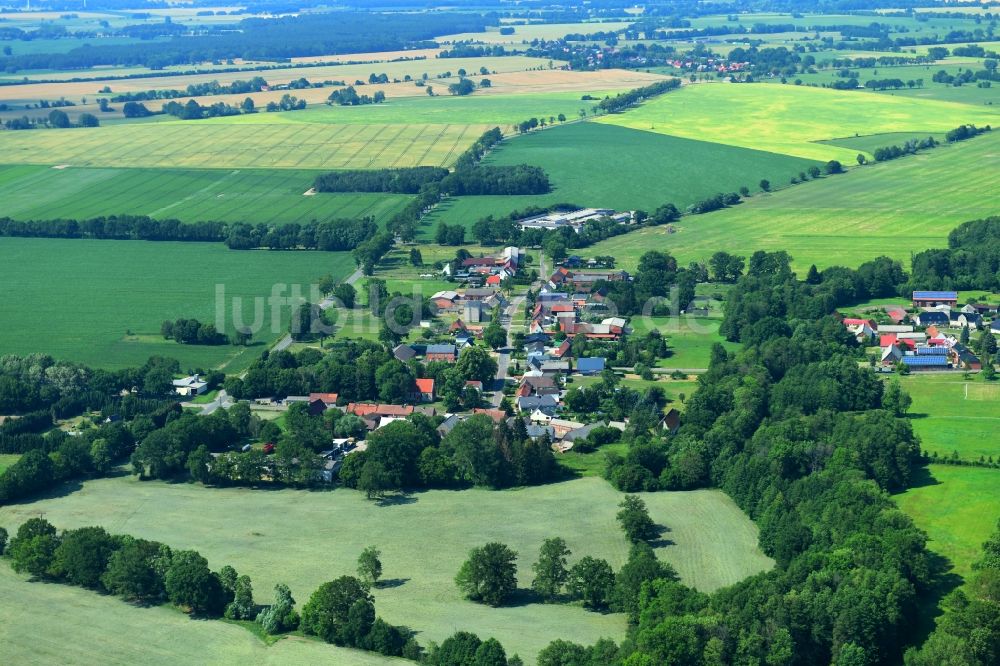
[
  {"x": 595, "y": 164},
  {"x": 78, "y": 299},
  {"x": 304, "y": 538},
  {"x": 8, "y": 459},
  {"x": 950, "y": 414},
  {"x": 957, "y": 506},
  {"x": 965, "y": 94},
  {"x": 791, "y": 119},
  {"x": 401, "y": 133},
  {"x": 483, "y": 108},
  {"x": 689, "y": 339},
  {"x": 98, "y": 630},
  {"x": 893, "y": 208},
  {"x": 190, "y": 195}
]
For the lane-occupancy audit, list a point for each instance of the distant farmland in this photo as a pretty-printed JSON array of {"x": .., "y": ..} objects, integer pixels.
[
  {"x": 595, "y": 164},
  {"x": 102, "y": 302},
  {"x": 789, "y": 119},
  {"x": 892, "y": 209},
  {"x": 232, "y": 195},
  {"x": 242, "y": 145}
]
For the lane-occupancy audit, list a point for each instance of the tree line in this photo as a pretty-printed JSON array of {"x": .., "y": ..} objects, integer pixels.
[
  {"x": 136, "y": 570},
  {"x": 910, "y": 147},
  {"x": 237, "y": 87},
  {"x": 399, "y": 181},
  {"x": 192, "y": 332},
  {"x": 635, "y": 96},
  {"x": 476, "y": 452},
  {"x": 331, "y": 235}
]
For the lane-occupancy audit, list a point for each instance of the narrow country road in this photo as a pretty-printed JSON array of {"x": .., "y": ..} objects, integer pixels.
[
  {"x": 503, "y": 357},
  {"x": 286, "y": 341}
]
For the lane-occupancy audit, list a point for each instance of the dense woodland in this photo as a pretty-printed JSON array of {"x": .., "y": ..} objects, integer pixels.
[
  {"x": 267, "y": 39},
  {"x": 971, "y": 261}
]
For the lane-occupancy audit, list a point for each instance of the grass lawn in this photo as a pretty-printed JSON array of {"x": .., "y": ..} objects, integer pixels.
[
  {"x": 98, "y": 630},
  {"x": 673, "y": 388},
  {"x": 8, "y": 459},
  {"x": 957, "y": 506},
  {"x": 589, "y": 464},
  {"x": 606, "y": 166},
  {"x": 190, "y": 195},
  {"x": 791, "y": 119},
  {"x": 893, "y": 208},
  {"x": 690, "y": 339},
  {"x": 950, "y": 414},
  {"x": 102, "y": 302},
  {"x": 305, "y": 538}
]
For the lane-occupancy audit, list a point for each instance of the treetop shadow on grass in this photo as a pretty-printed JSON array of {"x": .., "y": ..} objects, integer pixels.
[
  {"x": 390, "y": 583},
  {"x": 922, "y": 477}
]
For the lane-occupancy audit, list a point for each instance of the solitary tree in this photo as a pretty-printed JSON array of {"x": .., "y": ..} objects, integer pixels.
[
  {"x": 634, "y": 519},
  {"x": 765, "y": 185},
  {"x": 370, "y": 565},
  {"x": 489, "y": 575},
  {"x": 551, "y": 572}
]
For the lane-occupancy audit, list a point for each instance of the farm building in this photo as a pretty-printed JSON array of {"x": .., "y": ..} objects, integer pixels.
[
  {"x": 925, "y": 362},
  {"x": 190, "y": 386},
  {"x": 930, "y": 299},
  {"x": 590, "y": 366},
  {"x": 440, "y": 353}
]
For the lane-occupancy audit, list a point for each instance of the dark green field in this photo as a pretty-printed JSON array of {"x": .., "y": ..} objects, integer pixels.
[
  {"x": 190, "y": 195},
  {"x": 594, "y": 164},
  {"x": 102, "y": 302}
]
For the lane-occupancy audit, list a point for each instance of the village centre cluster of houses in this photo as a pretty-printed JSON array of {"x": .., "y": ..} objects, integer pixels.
[{"x": 928, "y": 336}]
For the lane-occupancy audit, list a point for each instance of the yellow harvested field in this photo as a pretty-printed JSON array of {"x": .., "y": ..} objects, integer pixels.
[
  {"x": 378, "y": 56},
  {"x": 349, "y": 73},
  {"x": 243, "y": 145},
  {"x": 562, "y": 80}
]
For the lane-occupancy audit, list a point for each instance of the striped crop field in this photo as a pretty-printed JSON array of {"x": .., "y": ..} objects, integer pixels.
[
  {"x": 198, "y": 144},
  {"x": 190, "y": 195}
]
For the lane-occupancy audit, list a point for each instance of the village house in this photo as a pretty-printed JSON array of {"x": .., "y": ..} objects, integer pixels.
[
  {"x": 440, "y": 352},
  {"x": 404, "y": 352},
  {"x": 932, "y": 318},
  {"x": 497, "y": 415},
  {"x": 328, "y": 399},
  {"x": 547, "y": 404},
  {"x": 963, "y": 357},
  {"x": 444, "y": 300},
  {"x": 423, "y": 390},
  {"x": 966, "y": 319}
]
